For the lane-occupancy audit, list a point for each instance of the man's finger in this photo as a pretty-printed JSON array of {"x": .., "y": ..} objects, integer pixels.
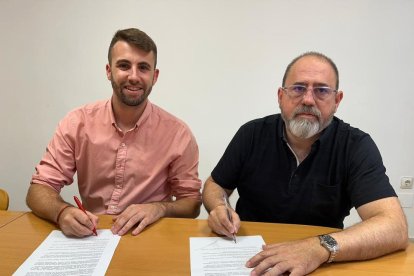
[{"x": 141, "y": 226}]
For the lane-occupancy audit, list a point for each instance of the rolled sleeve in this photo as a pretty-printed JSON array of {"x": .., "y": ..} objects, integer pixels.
[
  {"x": 183, "y": 173},
  {"x": 57, "y": 166}
]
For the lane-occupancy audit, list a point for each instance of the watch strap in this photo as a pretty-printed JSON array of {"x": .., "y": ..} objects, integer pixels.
[
  {"x": 332, "y": 256},
  {"x": 330, "y": 244}
]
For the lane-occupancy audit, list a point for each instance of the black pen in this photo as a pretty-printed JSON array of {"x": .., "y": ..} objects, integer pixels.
[{"x": 227, "y": 205}]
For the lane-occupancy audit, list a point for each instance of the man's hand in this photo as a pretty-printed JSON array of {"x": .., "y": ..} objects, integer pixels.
[
  {"x": 219, "y": 222},
  {"x": 215, "y": 204},
  {"x": 297, "y": 257},
  {"x": 143, "y": 214},
  {"x": 74, "y": 222}
]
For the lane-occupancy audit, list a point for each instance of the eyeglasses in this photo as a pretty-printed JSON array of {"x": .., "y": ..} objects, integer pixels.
[{"x": 320, "y": 92}]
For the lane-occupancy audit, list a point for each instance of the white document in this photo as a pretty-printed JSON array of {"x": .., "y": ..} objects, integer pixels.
[
  {"x": 61, "y": 255},
  {"x": 221, "y": 256}
]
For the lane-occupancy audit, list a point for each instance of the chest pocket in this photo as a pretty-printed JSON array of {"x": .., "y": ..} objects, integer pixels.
[{"x": 328, "y": 206}]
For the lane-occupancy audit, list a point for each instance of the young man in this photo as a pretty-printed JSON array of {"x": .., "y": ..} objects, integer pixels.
[
  {"x": 131, "y": 157},
  {"x": 305, "y": 166}
]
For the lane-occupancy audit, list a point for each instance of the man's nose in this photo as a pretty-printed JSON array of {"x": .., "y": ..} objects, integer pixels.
[
  {"x": 308, "y": 97},
  {"x": 134, "y": 74}
]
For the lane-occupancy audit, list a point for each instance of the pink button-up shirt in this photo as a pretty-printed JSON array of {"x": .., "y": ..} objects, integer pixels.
[{"x": 155, "y": 161}]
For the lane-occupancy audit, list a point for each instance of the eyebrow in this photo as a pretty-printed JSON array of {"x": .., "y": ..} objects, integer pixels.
[
  {"x": 122, "y": 60},
  {"x": 129, "y": 62}
]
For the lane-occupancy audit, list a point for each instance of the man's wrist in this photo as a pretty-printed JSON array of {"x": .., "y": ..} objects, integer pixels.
[
  {"x": 330, "y": 245},
  {"x": 164, "y": 207},
  {"x": 61, "y": 212},
  {"x": 219, "y": 205}
]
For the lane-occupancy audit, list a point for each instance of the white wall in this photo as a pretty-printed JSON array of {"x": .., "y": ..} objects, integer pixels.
[{"x": 220, "y": 61}]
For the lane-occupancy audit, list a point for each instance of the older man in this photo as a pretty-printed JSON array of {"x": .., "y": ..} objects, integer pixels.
[{"x": 305, "y": 166}]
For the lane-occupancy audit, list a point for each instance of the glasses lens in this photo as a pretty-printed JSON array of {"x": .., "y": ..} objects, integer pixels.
[
  {"x": 297, "y": 90},
  {"x": 322, "y": 92}
]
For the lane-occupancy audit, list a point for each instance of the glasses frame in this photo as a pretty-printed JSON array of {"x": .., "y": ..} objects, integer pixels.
[{"x": 316, "y": 95}]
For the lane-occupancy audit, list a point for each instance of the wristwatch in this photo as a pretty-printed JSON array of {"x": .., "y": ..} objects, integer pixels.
[{"x": 331, "y": 245}]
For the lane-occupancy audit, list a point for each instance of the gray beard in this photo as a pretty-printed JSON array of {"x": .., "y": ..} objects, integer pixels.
[{"x": 303, "y": 128}]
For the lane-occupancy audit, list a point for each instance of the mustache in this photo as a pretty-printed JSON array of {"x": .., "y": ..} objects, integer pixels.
[{"x": 307, "y": 109}]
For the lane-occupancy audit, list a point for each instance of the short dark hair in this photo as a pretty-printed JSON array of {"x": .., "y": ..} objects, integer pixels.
[
  {"x": 313, "y": 54},
  {"x": 135, "y": 37}
]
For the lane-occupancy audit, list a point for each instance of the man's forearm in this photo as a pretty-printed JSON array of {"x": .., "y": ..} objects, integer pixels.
[
  {"x": 44, "y": 201},
  {"x": 213, "y": 194},
  {"x": 375, "y": 236},
  {"x": 182, "y": 208}
]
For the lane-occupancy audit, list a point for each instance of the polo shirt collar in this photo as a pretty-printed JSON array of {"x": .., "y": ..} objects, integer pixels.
[
  {"x": 326, "y": 134},
  {"x": 280, "y": 129}
]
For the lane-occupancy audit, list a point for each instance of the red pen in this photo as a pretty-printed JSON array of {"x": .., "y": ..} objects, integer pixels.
[{"x": 80, "y": 206}]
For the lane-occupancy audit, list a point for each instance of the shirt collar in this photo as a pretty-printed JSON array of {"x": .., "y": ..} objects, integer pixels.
[
  {"x": 327, "y": 132},
  {"x": 144, "y": 116}
]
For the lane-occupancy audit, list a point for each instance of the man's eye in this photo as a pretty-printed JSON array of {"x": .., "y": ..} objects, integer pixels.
[
  {"x": 322, "y": 90},
  {"x": 123, "y": 66},
  {"x": 144, "y": 68},
  {"x": 299, "y": 89}
]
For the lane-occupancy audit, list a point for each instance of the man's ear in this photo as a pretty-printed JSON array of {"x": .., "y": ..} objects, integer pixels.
[
  {"x": 338, "y": 98},
  {"x": 108, "y": 71},
  {"x": 155, "y": 77},
  {"x": 279, "y": 94}
]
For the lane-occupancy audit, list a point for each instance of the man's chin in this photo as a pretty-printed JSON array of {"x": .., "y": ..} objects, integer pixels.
[
  {"x": 304, "y": 128},
  {"x": 134, "y": 101},
  {"x": 302, "y": 135}
]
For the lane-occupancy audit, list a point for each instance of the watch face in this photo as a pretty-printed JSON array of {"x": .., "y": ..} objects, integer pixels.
[{"x": 328, "y": 241}]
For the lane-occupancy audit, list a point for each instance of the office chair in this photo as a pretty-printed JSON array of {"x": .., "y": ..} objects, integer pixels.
[{"x": 4, "y": 200}]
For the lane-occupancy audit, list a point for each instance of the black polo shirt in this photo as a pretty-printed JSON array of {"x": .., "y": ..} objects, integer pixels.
[{"x": 343, "y": 170}]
